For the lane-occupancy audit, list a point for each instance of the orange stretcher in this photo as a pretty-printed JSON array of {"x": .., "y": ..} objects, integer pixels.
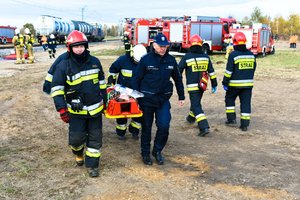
[{"x": 120, "y": 108}]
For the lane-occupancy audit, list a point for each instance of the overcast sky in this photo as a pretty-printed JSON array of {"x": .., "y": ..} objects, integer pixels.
[{"x": 19, "y": 12}]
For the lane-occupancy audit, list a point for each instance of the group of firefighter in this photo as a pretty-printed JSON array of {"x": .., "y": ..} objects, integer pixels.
[
  {"x": 27, "y": 40},
  {"x": 77, "y": 83}
]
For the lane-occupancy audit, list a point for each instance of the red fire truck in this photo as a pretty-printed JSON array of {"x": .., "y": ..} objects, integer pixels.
[
  {"x": 6, "y": 34},
  {"x": 259, "y": 38}
]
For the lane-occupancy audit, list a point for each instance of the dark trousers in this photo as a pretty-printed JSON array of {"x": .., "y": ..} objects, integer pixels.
[
  {"x": 196, "y": 108},
  {"x": 245, "y": 104},
  {"x": 162, "y": 116},
  {"x": 86, "y": 131}
]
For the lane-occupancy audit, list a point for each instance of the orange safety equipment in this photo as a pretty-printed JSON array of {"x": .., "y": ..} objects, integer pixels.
[
  {"x": 196, "y": 40},
  {"x": 76, "y": 38},
  {"x": 239, "y": 38}
]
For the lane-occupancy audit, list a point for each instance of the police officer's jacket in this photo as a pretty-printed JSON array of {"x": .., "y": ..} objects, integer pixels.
[
  {"x": 152, "y": 78},
  {"x": 240, "y": 68},
  {"x": 72, "y": 80},
  {"x": 49, "y": 76},
  {"x": 194, "y": 64},
  {"x": 123, "y": 68}
]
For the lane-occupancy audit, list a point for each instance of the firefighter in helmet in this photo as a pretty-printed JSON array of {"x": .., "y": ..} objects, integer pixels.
[
  {"x": 121, "y": 72},
  {"x": 198, "y": 69},
  {"x": 238, "y": 81},
  {"x": 126, "y": 41},
  {"x": 19, "y": 44},
  {"x": 79, "y": 93},
  {"x": 29, "y": 44},
  {"x": 152, "y": 77},
  {"x": 52, "y": 44}
]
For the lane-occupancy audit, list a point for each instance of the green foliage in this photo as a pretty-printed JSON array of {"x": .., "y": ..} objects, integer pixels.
[{"x": 31, "y": 28}]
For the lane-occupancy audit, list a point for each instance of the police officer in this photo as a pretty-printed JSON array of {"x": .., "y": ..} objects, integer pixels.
[
  {"x": 152, "y": 78},
  {"x": 79, "y": 93},
  {"x": 121, "y": 72},
  {"x": 198, "y": 67},
  {"x": 19, "y": 43},
  {"x": 52, "y": 44},
  {"x": 29, "y": 44},
  {"x": 238, "y": 81}
]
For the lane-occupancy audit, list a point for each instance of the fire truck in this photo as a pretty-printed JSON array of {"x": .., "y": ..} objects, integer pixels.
[
  {"x": 142, "y": 31},
  {"x": 6, "y": 34},
  {"x": 213, "y": 31},
  {"x": 259, "y": 38}
]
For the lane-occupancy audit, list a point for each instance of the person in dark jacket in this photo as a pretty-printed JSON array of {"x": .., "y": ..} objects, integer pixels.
[
  {"x": 52, "y": 44},
  {"x": 198, "y": 67},
  {"x": 120, "y": 72},
  {"x": 238, "y": 81},
  {"x": 152, "y": 78},
  {"x": 79, "y": 93}
]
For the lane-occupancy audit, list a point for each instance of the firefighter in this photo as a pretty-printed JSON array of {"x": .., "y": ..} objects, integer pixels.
[
  {"x": 152, "y": 78},
  {"x": 44, "y": 42},
  {"x": 52, "y": 44},
  {"x": 126, "y": 41},
  {"x": 122, "y": 68},
  {"x": 198, "y": 67},
  {"x": 29, "y": 44},
  {"x": 79, "y": 93},
  {"x": 229, "y": 46},
  {"x": 238, "y": 81},
  {"x": 19, "y": 44}
]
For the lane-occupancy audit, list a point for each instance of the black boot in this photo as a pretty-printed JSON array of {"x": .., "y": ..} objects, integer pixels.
[
  {"x": 230, "y": 122},
  {"x": 93, "y": 172},
  {"x": 158, "y": 157},
  {"x": 243, "y": 128},
  {"x": 190, "y": 119},
  {"x": 203, "y": 132},
  {"x": 147, "y": 160}
]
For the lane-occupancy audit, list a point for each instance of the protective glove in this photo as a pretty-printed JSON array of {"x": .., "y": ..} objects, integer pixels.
[
  {"x": 64, "y": 114},
  {"x": 225, "y": 87},
  {"x": 77, "y": 104},
  {"x": 214, "y": 89}
]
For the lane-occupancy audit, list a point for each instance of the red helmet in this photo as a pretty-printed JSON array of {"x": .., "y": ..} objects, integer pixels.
[
  {"x": 196, "y": 40},
  {"x": 239, "y": 38},
  {"x": 76, "y": 38}
]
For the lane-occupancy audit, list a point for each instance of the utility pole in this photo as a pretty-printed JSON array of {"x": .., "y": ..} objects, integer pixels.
[{"x": 82, "y": 10}]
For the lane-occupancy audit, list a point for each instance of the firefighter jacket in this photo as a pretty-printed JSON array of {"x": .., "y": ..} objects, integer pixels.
[
  {"x": 19, "y": 41},
  {"x": 52, "y": 44},
  {"x": 152, "y": 78},
  {"x": 240, "y": 68},
  {"x": 195, "y": 64},
  {"x": 123, "y": 68},
  {"x": 29, "y": 40},
  {"x": 86, "y": 81}
]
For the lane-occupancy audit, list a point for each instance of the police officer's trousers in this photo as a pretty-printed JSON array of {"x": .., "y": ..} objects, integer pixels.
[
  {"x": 162, "y": 119},
  {"x": 245, "y": 104},
  {"x": 196, "y": 109},
  {"x": 86, "y": 131}
]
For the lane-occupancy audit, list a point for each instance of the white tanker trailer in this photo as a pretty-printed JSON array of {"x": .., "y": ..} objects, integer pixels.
[{"x": 46, "y": 25}]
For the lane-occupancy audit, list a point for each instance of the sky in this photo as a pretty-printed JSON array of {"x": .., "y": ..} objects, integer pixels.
[{"x": 19, "y": 12}]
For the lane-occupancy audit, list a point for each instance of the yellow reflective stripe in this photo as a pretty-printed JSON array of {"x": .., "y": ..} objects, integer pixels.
[
  {"x": 192, "y": 88},
  {"x": 240, "y": 84},
  {"x": 191, "y": 114},
  {"x": 93, "y": 154},
  {"x": 58, "y": 92},
  {"x": 245, "y": 117},
  {"x": 76, "y": 148},
  {"x": 230, "y": 111},
  {"x": 82, "y": 112},
  {"x": 213, "y": 77},
  {"x": 136, "y": 125},
  {"x": 244, "y": 60},
  {"x": 103, "y": 86},
  {"x": 49, "y": 77},
  {"x": 96, "y": 111},
  {"x": 227, "y": 75},
  {"x": 200, "y": 117},
  {"x": 121, "y": 127},
  {"x": 126, "y": 72}
]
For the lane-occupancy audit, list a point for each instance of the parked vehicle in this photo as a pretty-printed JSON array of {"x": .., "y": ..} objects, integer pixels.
[{"x": 6, "y": 34}]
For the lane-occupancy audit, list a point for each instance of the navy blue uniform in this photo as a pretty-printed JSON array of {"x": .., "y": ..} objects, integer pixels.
[
  {"x": 238, "y": 77},
  {"x": 122, "y": 70},
  {"x": 52, "y": 44},
  {"x": 73, "y": 80},
  {"x": 152, "y": 78},
  {"x": 49, "y": 76},
  {"x": 195, "y": 64}
]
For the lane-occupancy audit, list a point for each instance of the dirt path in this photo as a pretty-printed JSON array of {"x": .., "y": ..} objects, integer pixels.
[{"x": 263, "y": 163}]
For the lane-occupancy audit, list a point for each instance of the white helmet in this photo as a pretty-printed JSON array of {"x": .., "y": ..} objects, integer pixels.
[
  {"x": 138, "y": 52},
  {"x": 52, "y": 36},
  {"x": 26, "y": 31},
  {"x": 17, "y": 31}
]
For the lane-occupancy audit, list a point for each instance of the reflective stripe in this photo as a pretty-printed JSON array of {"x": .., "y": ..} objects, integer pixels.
[
  {"x": 76, "y": 148},
  {"x": 192, "y": 87},
  {"x": 102, "y": 84},
  {"x": 92, "y": 109},
  {"x": 136, "y": 125},
  {"x": 49, "y": 77},
  {"x": 244, "y": 57},
  {"x": 200, "y": 117},
  {"x": 126, "y": 72},
  {"x": 191, "y": 114},
  {"x": 57, "y": 90},
  {"x": 245, "y": 116},
  {"x": 241, "y": 83},
  {"x": 114, "y": 75},
  {"x": 212, "y": 75},
  {"x": 230, "y": 109},
  {"x": 227, "y": 73},
  {"x": 121, "y": 127},
  {"x": 94, "y": 153}
]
